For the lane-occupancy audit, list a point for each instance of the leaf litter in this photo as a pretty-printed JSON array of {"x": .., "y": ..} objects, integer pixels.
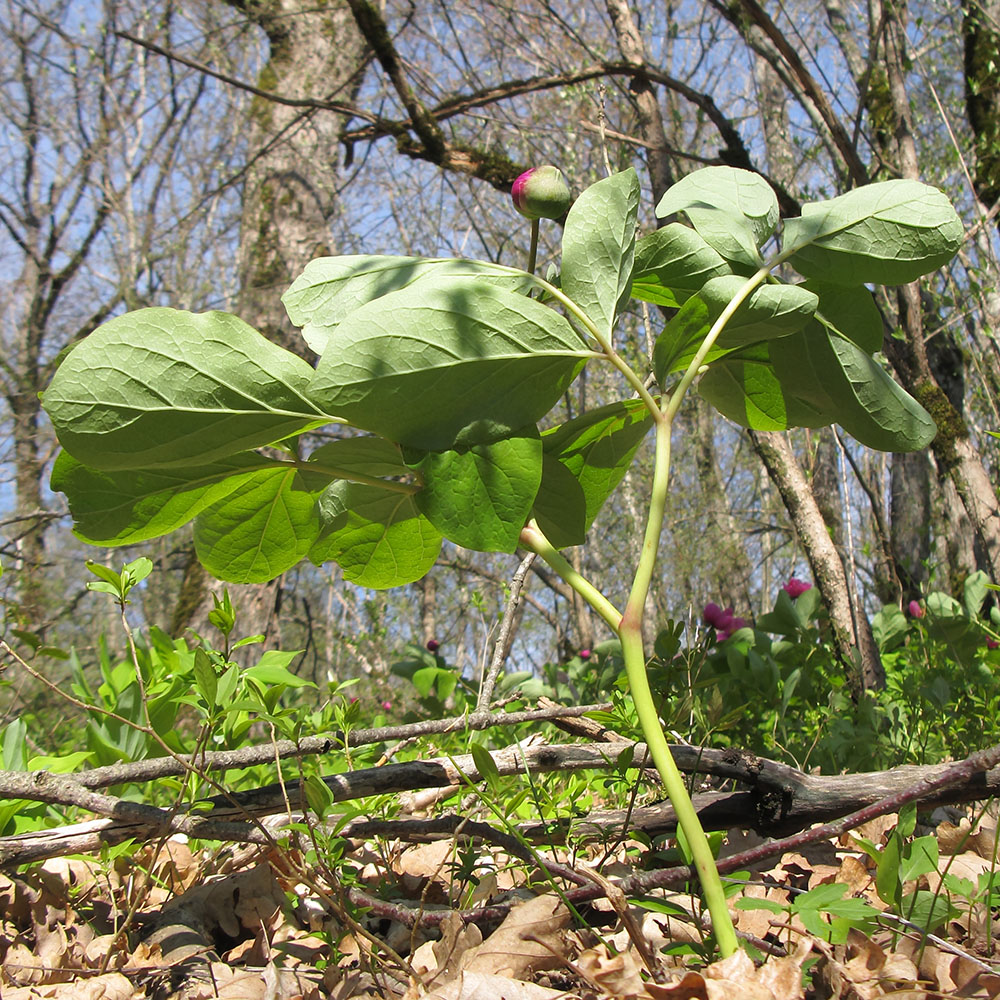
[{"x": 174, "y": 923}]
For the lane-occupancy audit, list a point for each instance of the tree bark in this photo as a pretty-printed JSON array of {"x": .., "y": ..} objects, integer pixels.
[
  {"x": 953, "y": 451},
  {"x": 289, "y": 200},
  {"x": 853, "y": 643},
  {"x": 981, "y": 35}
]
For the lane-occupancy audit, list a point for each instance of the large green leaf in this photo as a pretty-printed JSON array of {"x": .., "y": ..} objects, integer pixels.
[
  {"x": 850, "y": 311},
  {"x": 596, "y": 450},
  {"x": 735, "y": 211},
  {"x": 443, "y": 364},
  {"x": 598, "y": 247},
  {"x": 560, "y": 506},
  {"x": 481, "y": 498},
  {"x": 259, "y": 530},
  {"x": 672, "y": 263},
  {"x": 771, "y": 311},
  {"x": 888, "y": 233},
  {"x": 811, "y": 379},
  {"x": 124, "y": 507},
  {"x": 378, "y": 538},
  {"x": 331, "y": 288},
  {"x": 159, "y": 388},
  {"x": 744, "y": 388},
  {"x": 836, "y": 377}
]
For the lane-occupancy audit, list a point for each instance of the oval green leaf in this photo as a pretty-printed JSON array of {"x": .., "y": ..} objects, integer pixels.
[
  {"x": 481, "y": 498},
  {"x": 735, "y": 211},
  {"x": 888, "y": 233},
  {"x": 124, "y": 507},
  {"x": 598, "y": 247},
  {"x": 672, "y": 264},
  {"x": 443, "y": 364},
  {"x": 378, "y": 538},
  {"x": 161, "y": 387},
  {"x": 259, "y": 530},
  {"x": 331, "y": 288}
]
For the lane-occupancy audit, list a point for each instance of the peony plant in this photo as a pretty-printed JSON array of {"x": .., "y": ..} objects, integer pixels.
[{"x": 447, "y": 375}]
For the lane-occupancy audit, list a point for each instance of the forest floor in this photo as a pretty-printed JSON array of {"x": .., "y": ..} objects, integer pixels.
[{"x": 255, "y": 923}]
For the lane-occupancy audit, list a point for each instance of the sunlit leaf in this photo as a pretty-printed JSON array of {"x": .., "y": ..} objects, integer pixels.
[
  {"x": 259, "y": 530},
  {"x": 890, "y": 233},
  {"x": 378, "y": 537},
  {"x": 159, "y": 387},
  {"x": 123, "y": 507},
  {"x": 331, "y": 288},
  {"x": 599, "y": 246},
  {"x": 735, "y": 211},
  {"x": 673, "y": 263},
  {"x": 445, "y": 364},
  {"x": 480, "y": 498}
]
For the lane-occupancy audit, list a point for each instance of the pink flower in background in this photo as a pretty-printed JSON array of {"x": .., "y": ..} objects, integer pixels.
[
  {"x": 916, "y": 609},
  {"x": 992, "y": 644},
  {"x": 584, "y": 654},
  {"x": 712, "y": 614},
  {"x": 796, "y": 587},
  {"x": 386, "y": 706},
  {"x": 724, "y": 622}
]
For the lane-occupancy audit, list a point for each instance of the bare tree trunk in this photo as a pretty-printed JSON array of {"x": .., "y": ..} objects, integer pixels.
[
  {"x": 647, "y": 103},
  {"x": 289, "y": 199},
  {"x": 852, "y": 637},
  {"x": 953, "y": 451},
  {"x": 910, "y": 517},
  {"x": 427, "y": 588},
  {"x": 981, "y": 34}
]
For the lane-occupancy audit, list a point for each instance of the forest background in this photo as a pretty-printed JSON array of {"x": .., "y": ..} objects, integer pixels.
[{"x": 199, "y": 155}]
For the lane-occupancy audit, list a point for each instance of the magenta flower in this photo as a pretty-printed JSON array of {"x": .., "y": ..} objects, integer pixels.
[
  {"x": 916, "y": 609},
  {"x": 712, "y": 614},
  {"x": 992, "y": 644},
  {"x": 584, "y": 654},
  {"x": 433, "y": 645},
  {"x": 541, "y": 193},
  {"x": 724, "y": 622},
  {"x": 386, "y": 706},
  {"x": 796, "y": 587}
]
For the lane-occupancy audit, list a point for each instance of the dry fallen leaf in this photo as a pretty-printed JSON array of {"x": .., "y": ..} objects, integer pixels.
[
  {"x": 113, "y": 986},
  {"x": 529, "y": 939},
  {"x": 468, "y": 985}
]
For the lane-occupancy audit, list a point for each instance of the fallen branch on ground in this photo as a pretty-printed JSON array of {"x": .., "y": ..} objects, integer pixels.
[{"x": 777, "y": 800}]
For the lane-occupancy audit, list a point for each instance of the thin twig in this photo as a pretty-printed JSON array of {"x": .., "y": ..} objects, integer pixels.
[{"x": 505, "y": 636}]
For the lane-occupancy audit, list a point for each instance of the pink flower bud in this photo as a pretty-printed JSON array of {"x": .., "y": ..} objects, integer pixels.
[
  {"x": 796, "y": 588},
  {"x": 386, "y": 706},
  {"x": 584, "y": 654},
  {"x": 433, "y": 645},
  {"x": 916, "y": 610},
  {"x": 541, "y": 193}
]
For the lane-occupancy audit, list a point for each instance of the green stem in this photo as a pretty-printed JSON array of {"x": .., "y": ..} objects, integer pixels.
[
  {"x": 677, "y": 396},
  {"x": 673, "y": 782},
  {"x": 533, "y": 539},
  {"x": 630, "y": 633},
  {"x": 353, "y": 477},
  {"x": 533, "y": 250}
]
